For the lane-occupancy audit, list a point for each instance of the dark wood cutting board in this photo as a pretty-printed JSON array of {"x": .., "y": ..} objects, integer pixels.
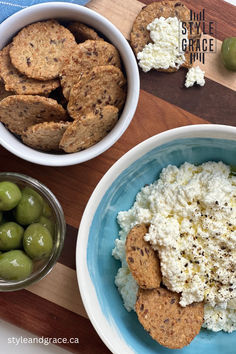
[{"x": 53, "y": 307}]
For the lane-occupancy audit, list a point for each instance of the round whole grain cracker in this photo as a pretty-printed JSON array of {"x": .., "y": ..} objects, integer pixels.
[
  {"x": 166, "y": 321},
  {"x": 3, "y": 92},
  {"x": 142, "y": 260},
  {"x": 90, "y": 129},
  {"x": 38, "y": 50},
  {"x": 83, "y": 57},
  {"x": 100, "y": 86},
  {"x": 139, "y": 36},
  {"x": 18, "y": 82},
  {"x": 82, "y": 32},
  {"x": 45, "y": 136},
  {"x": 21, "y": 111}
]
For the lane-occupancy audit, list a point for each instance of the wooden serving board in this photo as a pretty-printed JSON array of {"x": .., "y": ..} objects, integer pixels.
[{"x": 53, "y": 307}]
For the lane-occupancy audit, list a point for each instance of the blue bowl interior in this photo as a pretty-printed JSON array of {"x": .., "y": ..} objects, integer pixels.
[{"x": 104, "y": 230}]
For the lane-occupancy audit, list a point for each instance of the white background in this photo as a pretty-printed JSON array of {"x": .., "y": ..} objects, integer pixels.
[{"x": 7, "y": 331}]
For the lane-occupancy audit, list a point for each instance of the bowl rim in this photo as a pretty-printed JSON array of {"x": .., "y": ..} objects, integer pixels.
[
  {"x": 15, "y": 146},
  {"x": 87, "y": 290}
]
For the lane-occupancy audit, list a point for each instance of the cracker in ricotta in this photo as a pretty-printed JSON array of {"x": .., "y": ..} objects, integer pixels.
[{"x": 191, "y": 211}]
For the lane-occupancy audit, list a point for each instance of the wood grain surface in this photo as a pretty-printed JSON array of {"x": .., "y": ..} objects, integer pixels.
[
  {"x": 53, "y": 307},
  {"x": 56, "y": 298},
  {"x": 213, "y": 67}
]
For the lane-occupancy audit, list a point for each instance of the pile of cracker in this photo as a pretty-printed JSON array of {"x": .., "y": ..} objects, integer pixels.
[
  {"x": 61, "y": 87},
  {"x": 157, "y": 307}
]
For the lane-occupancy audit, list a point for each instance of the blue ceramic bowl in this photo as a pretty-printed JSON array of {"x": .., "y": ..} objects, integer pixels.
[{"x": 96, "y": 268}]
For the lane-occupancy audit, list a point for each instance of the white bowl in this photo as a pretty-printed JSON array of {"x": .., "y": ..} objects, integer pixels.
[
  {"x": 67, "y": 11},
  {"x": 96, "y": 268}
]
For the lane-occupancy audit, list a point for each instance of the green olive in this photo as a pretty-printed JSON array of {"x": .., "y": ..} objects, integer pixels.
[
  {"x": 15, "y": 265},
  {"x": 46, "y": 208},
  {"x": 29, "y": 208},
  {"x": 37, "y": 241},
  {"x": 31, "y": 191},
  {"x": 233, "y": 170},
  {"x": 47, "y": 211},
  {"x": 228, "y": 53},
  {"x": 48, "y": 223},
  {"x": 11, "y": 236},
  {"x": 10, "y": 195}
]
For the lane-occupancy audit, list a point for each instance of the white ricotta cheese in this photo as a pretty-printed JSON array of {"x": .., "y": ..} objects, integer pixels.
[
  {"x": 217, "y": 319},
  {"x": 127, "y": 287},
  {"x": 165, "y": 51},
  {"x": 195, "y": 75},
  {"x": 192, "y": 215},
  {"x": 126, "y": 284}
]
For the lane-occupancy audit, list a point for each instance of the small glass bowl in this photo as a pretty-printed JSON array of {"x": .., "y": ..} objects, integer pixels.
[{"x": 43, "y": 267}]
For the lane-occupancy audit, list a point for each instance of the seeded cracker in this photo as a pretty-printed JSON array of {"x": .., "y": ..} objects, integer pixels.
[
  {"x": 90, "y": 129},
  {"x": 83, "y": 57},
  {"x": 21, "y": 111},
  {"x": 19, "y": 83},
  {"x": 139, "y": 36},
  {"x": 39, "y": 49},
  {"x": 82, "y": 32},
  {"x": 166, "y": 321},
  {"x": 142, "y": 260},
  {"x": 101, "y": 86},
  {"x": 3, "y": 92},
  {"x": 45, "y": 136}
]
